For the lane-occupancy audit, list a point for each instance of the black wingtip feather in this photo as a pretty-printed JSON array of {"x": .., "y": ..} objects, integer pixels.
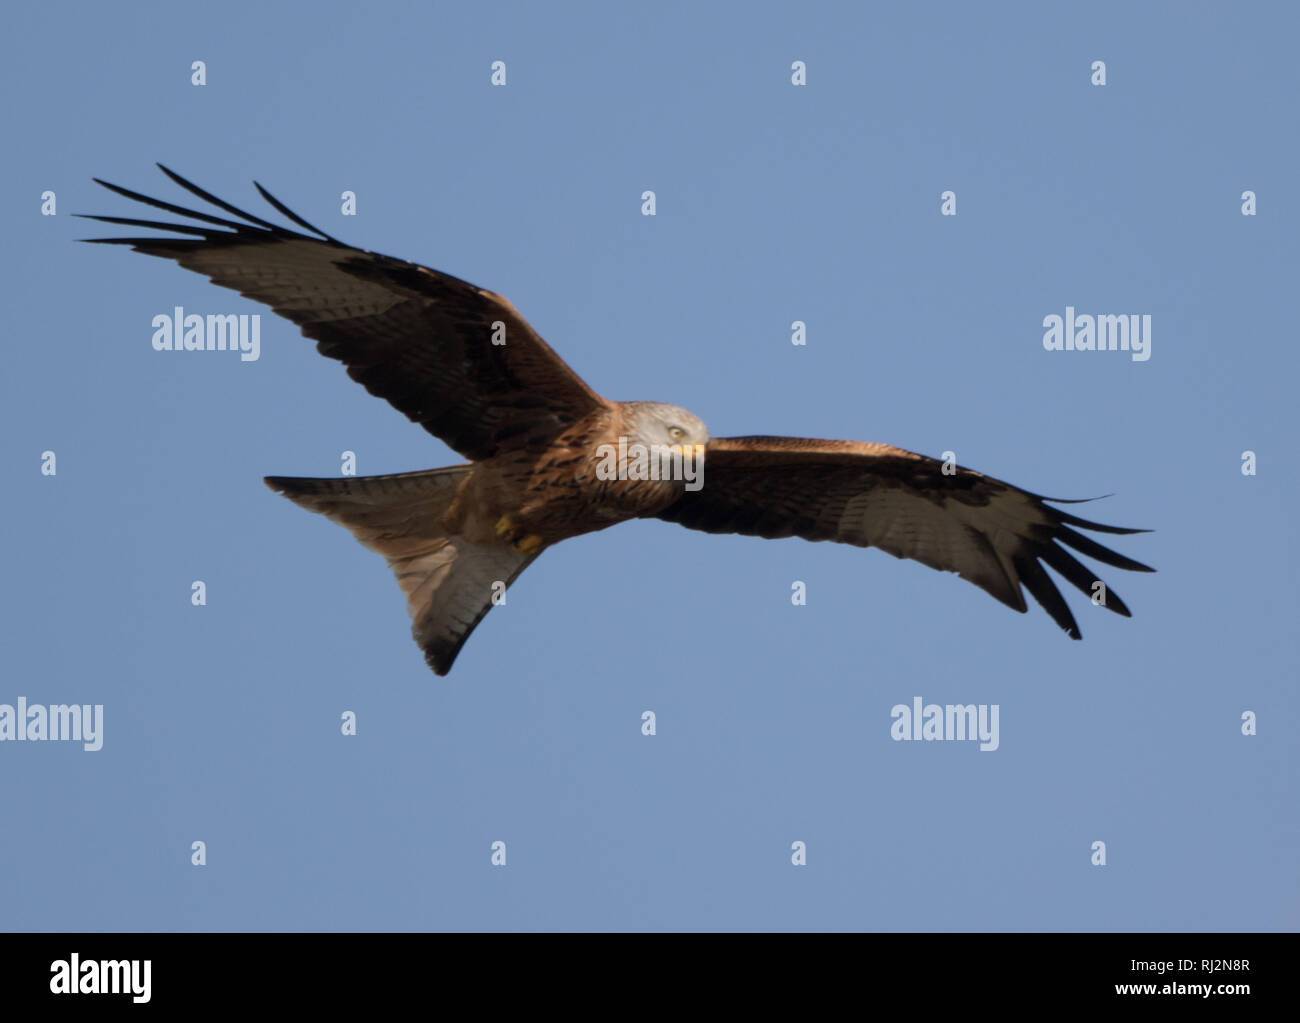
[
  {"x": 170, "y": 207},
  {"x": 110, "y": 241},
  {"x": 207, "y": 196},
  {"x": 1040, "y": 585},
  {"x": 290, "y": 213},
  {"x": 157, "y": 225},
  {"x": 1074, "y": 520},
  {"x": 1083, "y": 579},
  {"x": 252, "y": 227},
  {"x": 1091, "y": 548},
  {"x": 1098, "y": 527}
]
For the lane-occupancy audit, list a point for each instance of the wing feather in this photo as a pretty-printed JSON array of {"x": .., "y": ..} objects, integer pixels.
[
  {"x": 995, "y": 535},
  {"x": 420, "y": 339}
]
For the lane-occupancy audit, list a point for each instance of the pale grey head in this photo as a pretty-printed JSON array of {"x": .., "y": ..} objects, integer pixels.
[{"x": 653, "y": 422}]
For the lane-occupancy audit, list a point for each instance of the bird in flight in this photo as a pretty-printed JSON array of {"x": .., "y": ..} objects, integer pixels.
[{"x": 550, "y": 459}]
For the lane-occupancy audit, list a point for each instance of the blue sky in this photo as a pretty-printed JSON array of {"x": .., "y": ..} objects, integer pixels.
[{"x": 775, "y": 203}]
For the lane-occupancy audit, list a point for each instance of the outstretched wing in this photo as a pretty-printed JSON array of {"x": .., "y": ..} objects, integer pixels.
[
  {"x": 873, "y": 495},
  {"x": 421, "y": 340}
]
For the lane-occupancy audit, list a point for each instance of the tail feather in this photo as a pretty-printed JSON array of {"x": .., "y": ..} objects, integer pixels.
[{"x": 449, "y": 583}]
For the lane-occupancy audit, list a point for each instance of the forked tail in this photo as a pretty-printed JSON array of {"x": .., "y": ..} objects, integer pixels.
[{"x": 449, "y": 583}]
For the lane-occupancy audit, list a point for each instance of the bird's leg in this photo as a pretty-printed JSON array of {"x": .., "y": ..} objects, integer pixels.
[
  {"x": 529, "y": 544},
  {"x": 509, "y": 532}
]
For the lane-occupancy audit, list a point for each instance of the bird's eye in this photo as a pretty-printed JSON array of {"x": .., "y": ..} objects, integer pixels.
[{"x": 676, "y": 432}]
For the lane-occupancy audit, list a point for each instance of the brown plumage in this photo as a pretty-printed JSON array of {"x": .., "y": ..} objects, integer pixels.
[{"x": 462, "y": 362}]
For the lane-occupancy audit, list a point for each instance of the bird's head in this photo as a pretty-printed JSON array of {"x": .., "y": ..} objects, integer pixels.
[{"x": 653, "y": 423}]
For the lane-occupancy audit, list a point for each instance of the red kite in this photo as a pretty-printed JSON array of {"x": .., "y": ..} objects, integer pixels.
[{"x": 550, "y": 459}]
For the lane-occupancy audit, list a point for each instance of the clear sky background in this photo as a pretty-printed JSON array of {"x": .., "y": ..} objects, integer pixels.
[{"x": 776, "y": 203}]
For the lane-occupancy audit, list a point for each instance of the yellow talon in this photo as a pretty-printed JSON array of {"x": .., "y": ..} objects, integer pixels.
[
  {"x": 505, "y": 528},
  {"x": 530, "y": 544}
]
